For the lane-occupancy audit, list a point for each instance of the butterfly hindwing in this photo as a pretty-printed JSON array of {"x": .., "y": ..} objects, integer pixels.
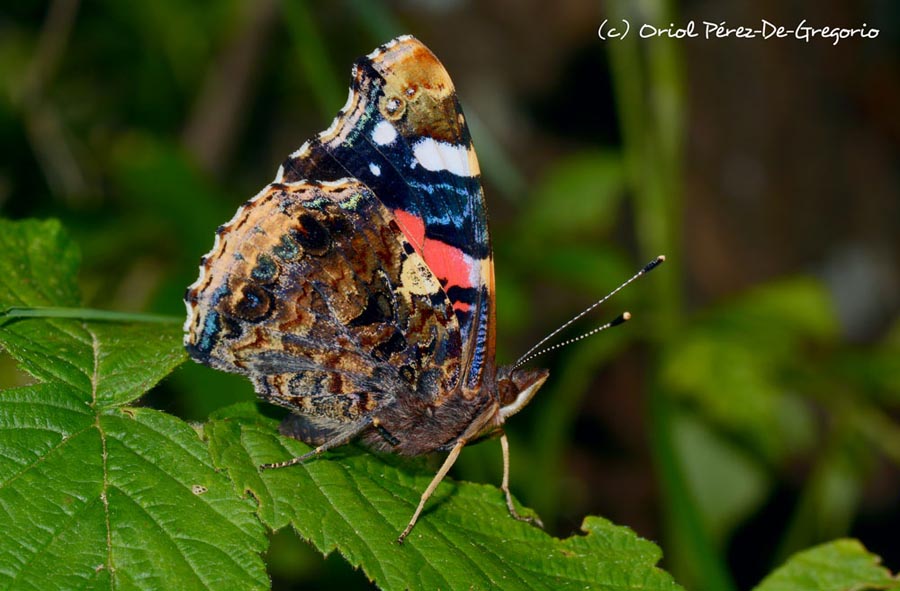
[
  {"x": 314, "y": 292},
  {"x": 404, "y": 135}
]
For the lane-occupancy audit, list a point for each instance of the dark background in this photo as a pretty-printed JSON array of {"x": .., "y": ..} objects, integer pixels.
[{"x": 751, "y": 408}]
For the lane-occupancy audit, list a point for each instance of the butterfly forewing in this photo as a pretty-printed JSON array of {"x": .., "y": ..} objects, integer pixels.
[{"x": 404, "y": 135}]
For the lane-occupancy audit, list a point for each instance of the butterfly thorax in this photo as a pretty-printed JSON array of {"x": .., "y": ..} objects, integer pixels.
[{"x": 415, "y": 426}]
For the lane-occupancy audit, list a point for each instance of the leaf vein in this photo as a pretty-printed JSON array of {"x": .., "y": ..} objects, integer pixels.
[
  {"x": 341, "y": 513},
  {"x": 52, "y": 362},
  {"x": 167, "y": 536},
  {"x": 439, "y": 532},
  {"x": 62, "y": 443},
  {"x": 95, "y": 348},
  {"x": 56, "y": 535},
  {"x": 154, "y": 464}
]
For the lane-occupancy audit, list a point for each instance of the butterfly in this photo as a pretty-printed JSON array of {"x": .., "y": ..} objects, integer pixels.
[{"x": 357, "y": 289}]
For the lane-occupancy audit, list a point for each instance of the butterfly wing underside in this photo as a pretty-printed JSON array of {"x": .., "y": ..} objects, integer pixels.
[
  {"x": 312, "y": 291},
  {"x": 403, "y": 134}
]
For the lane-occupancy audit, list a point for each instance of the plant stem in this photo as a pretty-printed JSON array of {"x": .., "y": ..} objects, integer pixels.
[
  {"x": 84, "y": 314},
  {"x": 648, "y": 82}
]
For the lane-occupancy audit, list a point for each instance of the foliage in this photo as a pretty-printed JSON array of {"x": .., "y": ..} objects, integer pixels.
[
  {"x": 841, "y": 565},
  {"x": 357, "y": 503},
  {"x": 115, "y": 122},
  {"x": 98, "y": 493}
]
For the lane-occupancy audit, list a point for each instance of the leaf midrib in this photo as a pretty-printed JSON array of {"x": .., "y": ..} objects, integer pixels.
[{"x": 95, "y": 379}]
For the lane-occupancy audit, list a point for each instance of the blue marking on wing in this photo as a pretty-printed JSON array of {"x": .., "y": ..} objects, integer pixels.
[
  {"x": 480, "y": 346},
  {"x": 211, "y": 325}
]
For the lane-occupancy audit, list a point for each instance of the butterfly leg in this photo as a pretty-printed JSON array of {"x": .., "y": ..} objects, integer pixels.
[
  {"x": 336, "y": 441},
  {"x": 504, "y": 486},
  {"x": 385, "y": 434},
  {"x": 448, "y": 463}
]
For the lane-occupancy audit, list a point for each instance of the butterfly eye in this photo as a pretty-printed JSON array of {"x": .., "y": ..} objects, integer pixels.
[{"x": 507, "y": 391}]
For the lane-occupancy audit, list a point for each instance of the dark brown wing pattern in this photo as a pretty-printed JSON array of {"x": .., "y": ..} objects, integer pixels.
[{"x": 314, "y": 292}]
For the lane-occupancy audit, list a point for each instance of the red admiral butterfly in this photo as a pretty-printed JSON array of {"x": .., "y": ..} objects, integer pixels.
[{"x": 357, "y": 289}]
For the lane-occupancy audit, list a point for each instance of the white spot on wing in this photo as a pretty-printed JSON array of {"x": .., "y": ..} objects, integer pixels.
[
  {"x": 434, "y": 155},
  {"x": 376, "y": 170},
  {"x": 384, "y": 134}
]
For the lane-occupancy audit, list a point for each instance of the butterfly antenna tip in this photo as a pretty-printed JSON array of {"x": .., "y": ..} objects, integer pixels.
[{"x": 536, "y": 349}]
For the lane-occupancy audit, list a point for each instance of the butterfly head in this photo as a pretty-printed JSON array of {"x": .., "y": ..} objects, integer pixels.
[{"x": 516, "y": 387}]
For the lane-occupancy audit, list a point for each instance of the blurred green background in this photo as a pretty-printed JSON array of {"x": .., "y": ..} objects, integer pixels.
[{"x": 751, "y": 409}]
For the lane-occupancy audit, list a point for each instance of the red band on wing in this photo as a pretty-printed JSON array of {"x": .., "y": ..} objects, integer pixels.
[
  {"x": 448, "y": 263},
  {"x": 413, "y": 227}
]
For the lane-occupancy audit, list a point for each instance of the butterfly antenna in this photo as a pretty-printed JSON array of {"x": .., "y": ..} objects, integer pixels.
[{"x": 534, "y": 351}]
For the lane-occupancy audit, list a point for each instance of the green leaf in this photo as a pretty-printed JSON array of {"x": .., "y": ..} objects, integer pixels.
[
  {"x": 842, "y": 565},
  {"x": 357, "y": 503},
  {"x": 92, "y": 493}
]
